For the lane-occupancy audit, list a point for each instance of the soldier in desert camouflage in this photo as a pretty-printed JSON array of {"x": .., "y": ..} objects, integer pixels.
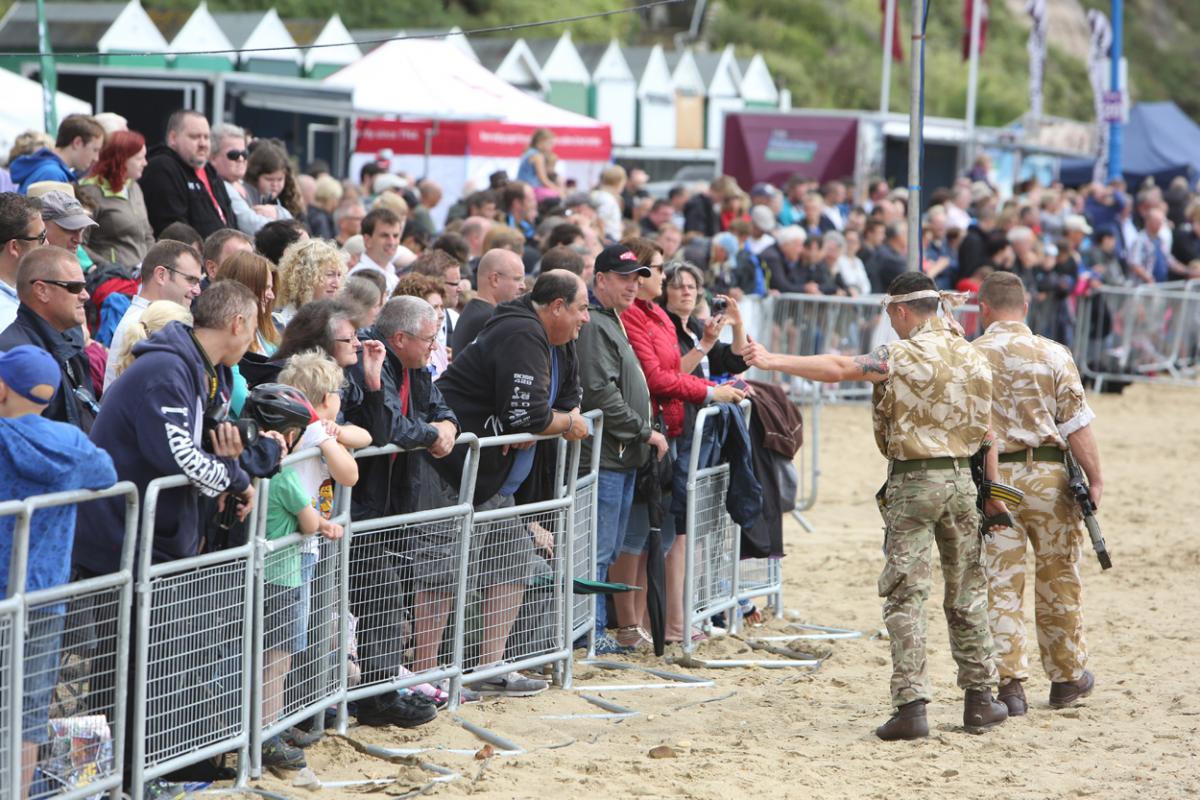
[
  {"x": 1038, "y": 409},
  {"x": 931, "y": 405}
]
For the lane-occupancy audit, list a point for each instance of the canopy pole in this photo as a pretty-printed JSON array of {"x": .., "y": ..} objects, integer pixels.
[{"x": 916, "y": 136}]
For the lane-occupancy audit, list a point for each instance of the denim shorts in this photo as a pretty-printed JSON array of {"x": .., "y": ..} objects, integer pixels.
[
  {"x": 638, "y": 530},
  {"x": 281, "y": 612},
  {"x": 43, "y": 638}
]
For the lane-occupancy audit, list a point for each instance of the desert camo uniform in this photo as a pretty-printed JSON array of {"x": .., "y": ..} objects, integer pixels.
[
  {"x": 931, "y": 415},
  {"x": 1037, "y": 401}
]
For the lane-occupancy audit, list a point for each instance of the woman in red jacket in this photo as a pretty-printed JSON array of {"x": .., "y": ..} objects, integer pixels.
[{"x": 652, "y": 336}]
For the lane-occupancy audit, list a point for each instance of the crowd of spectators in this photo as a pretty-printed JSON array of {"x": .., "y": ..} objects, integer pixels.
[{"x": 155, "y": 295}]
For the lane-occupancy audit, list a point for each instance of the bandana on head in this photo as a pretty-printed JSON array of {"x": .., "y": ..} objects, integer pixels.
[{"x": 948, "y": 300}]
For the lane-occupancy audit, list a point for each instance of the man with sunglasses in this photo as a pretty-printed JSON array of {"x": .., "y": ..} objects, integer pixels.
[
  {"x": 21, "y": 230},
  {"x": 170, "y": 271},
  {"x": 52, "y": 292}
]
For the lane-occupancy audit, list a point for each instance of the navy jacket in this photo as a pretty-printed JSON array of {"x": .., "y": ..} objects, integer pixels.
[
  {"x": 383, "y": 487},
  {"x": 726, "y": 440},
  {"x": 151, "y": 422},
  {"x": 74, "y": 402}
]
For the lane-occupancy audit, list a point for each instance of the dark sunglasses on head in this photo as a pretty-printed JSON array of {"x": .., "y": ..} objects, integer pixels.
[
  {"x": 237, "y": 155},
  {"x": 74, "y": 287}
]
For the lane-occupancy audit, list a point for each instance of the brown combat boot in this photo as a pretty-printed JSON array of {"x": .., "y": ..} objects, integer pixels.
[
  {"x": 981, "y": 712},
  {"x": 1012, "y": 694},
  {"x": 907, "y": 723},
  {"x": 1066, "y": 694}
]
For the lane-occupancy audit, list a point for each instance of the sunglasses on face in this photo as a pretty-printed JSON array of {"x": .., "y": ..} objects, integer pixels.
[
  {"x": 237, "y": 155},
  {"x": 74, "y": 287},
  {"x": 40, "y": 238}
]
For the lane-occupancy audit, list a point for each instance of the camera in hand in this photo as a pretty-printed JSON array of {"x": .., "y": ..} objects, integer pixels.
[
  {"x": 216, "y": 414},
  {"x": 718, "y": 306}
]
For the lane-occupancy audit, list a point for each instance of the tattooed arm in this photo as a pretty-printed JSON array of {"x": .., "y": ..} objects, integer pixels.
[{"x": 872, "y": 367}]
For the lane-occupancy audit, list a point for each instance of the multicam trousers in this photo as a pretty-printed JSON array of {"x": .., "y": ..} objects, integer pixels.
[
  {"x": 924, "y": 507},
  {"x": 1050, "y": 521}
]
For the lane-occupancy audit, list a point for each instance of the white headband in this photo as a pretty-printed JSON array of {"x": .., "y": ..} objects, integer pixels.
[{"x": 948, "y": 300}]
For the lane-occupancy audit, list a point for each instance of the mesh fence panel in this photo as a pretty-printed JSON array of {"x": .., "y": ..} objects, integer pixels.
[
  {"x": 404, "y": 581},
  {"x": 714, "y": 543},
  {"x": 1144, "y": 334},
  {"x": 584, "y": 565},
  {"x": 7, "y": 626},
  {"x": 71, "y": 669},
  {"x": 196, "y": 660},
  {"x": 515, "y": 605}
]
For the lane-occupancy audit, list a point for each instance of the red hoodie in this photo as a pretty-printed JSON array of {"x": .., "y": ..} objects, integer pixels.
[{"x": 653, "y": 338}]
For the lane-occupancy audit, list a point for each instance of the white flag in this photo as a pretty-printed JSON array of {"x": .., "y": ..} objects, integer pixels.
[
  {"x": 1098, "y": 52},
  {"x": 1036, "y": 46}
]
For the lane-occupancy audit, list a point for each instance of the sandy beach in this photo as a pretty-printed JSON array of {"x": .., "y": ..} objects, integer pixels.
[{"x": 783, "y": 733}]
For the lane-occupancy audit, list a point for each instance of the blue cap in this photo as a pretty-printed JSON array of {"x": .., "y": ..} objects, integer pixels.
[{"x": 30, "y": 372}]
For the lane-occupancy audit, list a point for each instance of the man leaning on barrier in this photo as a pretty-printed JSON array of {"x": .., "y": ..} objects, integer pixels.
[
  {"x": 1038, "y": 412},
  {"x": 519, "y": 375},
  {"x": 931, "y": 405},
  {"x": 413, "y": 416}
]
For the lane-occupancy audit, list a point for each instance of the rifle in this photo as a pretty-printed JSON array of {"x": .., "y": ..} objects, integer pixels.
[
  {"x": 1079, "y": 488},
  {"x": 1010, "y": 495}
]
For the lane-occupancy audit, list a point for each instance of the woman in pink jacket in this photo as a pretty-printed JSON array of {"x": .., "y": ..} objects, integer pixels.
[{"x": 652, "y": 336}]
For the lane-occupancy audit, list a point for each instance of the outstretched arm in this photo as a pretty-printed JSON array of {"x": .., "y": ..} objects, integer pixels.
[{"x": 829, "y": 368}]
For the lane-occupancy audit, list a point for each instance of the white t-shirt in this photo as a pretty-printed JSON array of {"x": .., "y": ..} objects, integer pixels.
[
  {"x": 133, "y": 315},
  {"x": 389, "y": 274},
  {"x": 314, "y": 477}
]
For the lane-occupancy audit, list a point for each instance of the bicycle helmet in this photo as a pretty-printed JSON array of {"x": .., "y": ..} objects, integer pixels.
[{"x": 278, "y": 407}]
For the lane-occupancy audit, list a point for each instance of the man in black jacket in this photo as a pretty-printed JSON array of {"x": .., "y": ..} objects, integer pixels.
[
  {"x": 414, "y": 416},
  {"x": 701, "y": 213},
  {"x": 518, "y": 376},
  {"x": 52, "y": 292},
  {"x": 180, "y": 184}
]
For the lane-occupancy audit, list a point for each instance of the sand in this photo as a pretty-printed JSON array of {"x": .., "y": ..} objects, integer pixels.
[{"x": 799, "y": 733}]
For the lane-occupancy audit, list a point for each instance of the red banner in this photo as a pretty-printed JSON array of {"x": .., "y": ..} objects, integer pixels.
[
  {"x": 897, "y": 42},
  {"x": 968, "y": 9},
  {"x": 494, "y": 139}
]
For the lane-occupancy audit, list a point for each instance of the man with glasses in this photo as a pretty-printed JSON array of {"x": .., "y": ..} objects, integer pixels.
[
  {"x": 170, "y": 271},
  {"x": 181, "y": 184},
  {"x": 444, "y": 268},
  {"x": 21, "y": 230},
  {"x": 414, "y": 416},
  {"x": 67, "y": 221},
  {"x": 501, "y": 278},
  {"x": 52, "y": 292}
]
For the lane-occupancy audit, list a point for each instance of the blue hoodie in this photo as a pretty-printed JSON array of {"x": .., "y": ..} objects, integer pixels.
[
  {"x": 40, "y": 456},
  {"x": 151, "y": 421},
  {"x": 44, "y": 165}
]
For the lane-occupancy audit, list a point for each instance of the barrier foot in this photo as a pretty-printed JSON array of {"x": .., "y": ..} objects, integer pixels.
[
  {"x": 495, "y": 740},
  {"x": 611, "y": 710},
  {"x": 672, "y": 680},
  {"x": 822, "y": 632},
  {"x": 808, "y": 528}
]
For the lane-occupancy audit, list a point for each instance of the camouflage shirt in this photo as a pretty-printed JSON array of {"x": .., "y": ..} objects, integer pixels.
[
  {"x": 937, "y": 398},
  {"x": 1037, "y": 397}
]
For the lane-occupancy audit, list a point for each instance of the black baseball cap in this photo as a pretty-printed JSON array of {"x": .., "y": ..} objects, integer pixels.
[{"x": 620, "y": 259}]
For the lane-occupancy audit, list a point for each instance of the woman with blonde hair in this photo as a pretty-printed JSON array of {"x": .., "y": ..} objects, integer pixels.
[
  {"x": 309, "y": 270},
  {"x": 257, "y": 273},
  {"x": 154, "y": 318}
]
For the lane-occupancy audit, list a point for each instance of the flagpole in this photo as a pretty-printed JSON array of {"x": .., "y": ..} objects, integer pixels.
[
  {"x": 48, "y": 71},
  {"x": 916, "y": 135},
  {"x": 973, "y": 78},
  {"x": 889, "y": 33},
  {"x": 1115, "y": 130}
]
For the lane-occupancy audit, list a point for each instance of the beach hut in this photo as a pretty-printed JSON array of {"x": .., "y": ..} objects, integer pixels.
[
  {"x": 565, "y": 72},
  {"x": 612, "y": 97},
  {"x": 251, "y": 30},
  {"x": 655, "y": 96},
  {"x": 198, "y": 33},
  {"x": 722, "y": 89},
  {"x": 330, "y": 50},
  {"x": 513, "y": 62},
  {"x": 111, "y": 31},
  {"x": 757, "y": 87},
  {"x": 689, "y": 99}
]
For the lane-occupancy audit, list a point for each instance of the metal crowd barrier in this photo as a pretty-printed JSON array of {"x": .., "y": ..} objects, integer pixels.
[
  {"x": 581, "y": 614},
  {"x": 1143, "y": 334},
  {"x": 192, "y": 687}
]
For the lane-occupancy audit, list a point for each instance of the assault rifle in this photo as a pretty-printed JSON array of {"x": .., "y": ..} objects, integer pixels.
[
  {"x": 1079, "y": 488},
  {"x": 1011, "y": 496}
]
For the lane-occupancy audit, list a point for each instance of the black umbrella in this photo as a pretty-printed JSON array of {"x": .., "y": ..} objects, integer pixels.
[{"x": 650, "y": 490}]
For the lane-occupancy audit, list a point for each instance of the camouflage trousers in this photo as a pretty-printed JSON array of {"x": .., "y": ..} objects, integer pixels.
[
  {"x": 1049, "y": 521},
  {"x": 923, "y": 508}
]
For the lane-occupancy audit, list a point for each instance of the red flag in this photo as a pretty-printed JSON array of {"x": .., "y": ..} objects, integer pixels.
[
  {"x": 968, "y": 5},
  {"x": 897, "y": 42}
]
